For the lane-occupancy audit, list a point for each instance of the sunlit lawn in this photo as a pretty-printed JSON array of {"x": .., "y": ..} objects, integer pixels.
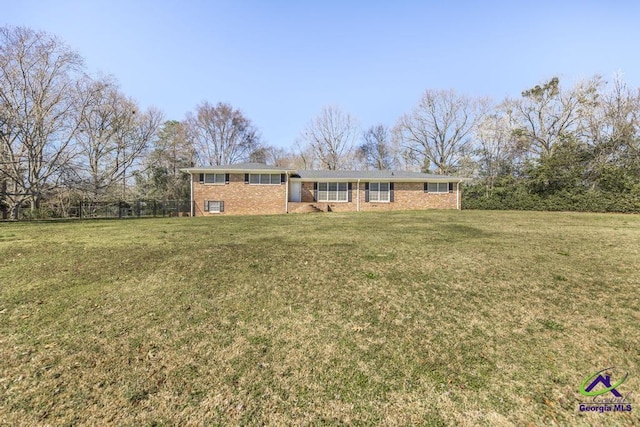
[{"x": 428, "y": 318}]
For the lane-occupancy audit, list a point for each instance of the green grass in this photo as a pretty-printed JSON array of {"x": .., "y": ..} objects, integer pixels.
[{"x": 407, "y": 318}]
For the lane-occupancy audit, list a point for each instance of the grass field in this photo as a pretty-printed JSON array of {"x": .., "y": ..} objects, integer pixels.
[{"x": 408, "y": 318}]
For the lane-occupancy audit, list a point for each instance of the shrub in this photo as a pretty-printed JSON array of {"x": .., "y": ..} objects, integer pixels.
[{"x": 516, "y": 197}]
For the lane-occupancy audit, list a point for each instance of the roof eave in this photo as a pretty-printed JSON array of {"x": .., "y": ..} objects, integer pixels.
[
  {"x": 221, "y": 170},
  {"x": 394, "y": 179}
]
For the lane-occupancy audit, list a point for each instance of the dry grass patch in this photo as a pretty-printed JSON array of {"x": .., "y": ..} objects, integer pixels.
[{"x": 433, "y": 318}]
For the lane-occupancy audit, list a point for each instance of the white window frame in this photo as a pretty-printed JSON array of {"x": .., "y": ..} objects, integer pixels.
[
  {"x": 339, "y": 195},
  {"x": 439, "y": 186},
  {"x": 218, "y": 178},
  {"x": 378, "y": 195},
  {"x": 209, "y": 204},
  {"x": 260, "y": 179}
]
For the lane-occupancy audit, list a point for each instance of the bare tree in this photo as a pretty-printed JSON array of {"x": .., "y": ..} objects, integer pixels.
[
  {"x": 611, "y": 127},
  {"x": 112, "y": 138},
  {"x": 612, "y": 115},
  {"x": 40, "y": 101},
  {"x": 3, "y": 175},
  {"x": 437, "y": 132},
  {"x": 273, "y": 156},
  {"x": 493, "y": 146},
  {"x": 280, "y": 157},
  {"x": 546, "y": 114},
  {"x": 328, "y": 141},
  {"x": 304, "y": 156},
  {"x": 171, "y": 151},
  {"x": 221, "y": 134},
  {"x": 376, "y": 151}
]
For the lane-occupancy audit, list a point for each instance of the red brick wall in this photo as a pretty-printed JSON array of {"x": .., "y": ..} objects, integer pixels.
[
  {"x": 247, "y": 199},
  {"x": 411, "y": 195},
  {"x": 407, "y": 196},
  {"x": 239, "y": 198}
]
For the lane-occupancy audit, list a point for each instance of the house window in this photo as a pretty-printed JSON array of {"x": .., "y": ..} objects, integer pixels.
[
  {"x": 379, "y": 192},
  {"x": 333, "y": 192},
  {"x": 214, "y": 178},
  {"x": 437, "y": 187},
  {"x": 264, "y": 178},
  {"x": 216, "y": 206}
]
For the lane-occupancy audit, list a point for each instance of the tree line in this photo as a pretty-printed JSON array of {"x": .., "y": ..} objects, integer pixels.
[{"x": 68, "y": 135}]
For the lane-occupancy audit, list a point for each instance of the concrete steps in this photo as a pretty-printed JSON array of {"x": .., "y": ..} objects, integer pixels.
[{"x": 306, "y": 208}]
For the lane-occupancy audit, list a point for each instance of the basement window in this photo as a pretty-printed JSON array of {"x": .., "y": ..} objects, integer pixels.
[{"x": 214, "y": 206}]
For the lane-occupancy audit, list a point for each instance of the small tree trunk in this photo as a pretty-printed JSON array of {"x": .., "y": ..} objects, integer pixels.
[{"x": 15, "y": 210}]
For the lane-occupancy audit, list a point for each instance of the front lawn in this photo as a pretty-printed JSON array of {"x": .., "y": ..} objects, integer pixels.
[{"x": 401, "y": 318}]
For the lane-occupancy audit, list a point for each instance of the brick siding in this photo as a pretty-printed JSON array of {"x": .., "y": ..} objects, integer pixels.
[
  {"x": 407, "y": 196},
  {"x": 248, "y": 199},
  {"x": 239, "y": 198}
]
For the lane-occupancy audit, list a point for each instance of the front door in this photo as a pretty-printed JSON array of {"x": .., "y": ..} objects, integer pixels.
[{"x": 295, "y": 191}]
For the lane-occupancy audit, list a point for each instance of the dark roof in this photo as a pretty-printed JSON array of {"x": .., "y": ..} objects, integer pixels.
[
  {"x": 237, "y": 167},
  {"x": 245, "y": 166},
  {"x": 315, "y": 175},
  {"x": 373, "y": 175}
]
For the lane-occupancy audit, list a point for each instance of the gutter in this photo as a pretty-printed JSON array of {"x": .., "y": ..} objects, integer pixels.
[
  {"x": 191, "y": 201},
  {"x": 286, "y": 195},
  {"x": 387, "y": 179},
  {"x": 231, "y": 170}
]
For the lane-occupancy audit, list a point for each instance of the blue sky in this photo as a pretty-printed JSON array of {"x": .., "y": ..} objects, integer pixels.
[{"x": 280, "y": 62}]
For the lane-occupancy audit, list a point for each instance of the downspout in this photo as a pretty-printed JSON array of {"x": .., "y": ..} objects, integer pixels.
[
  {"x": 458, "y": 195},
  {"x": 358, "y": 196},
  {"x": 191, "y": 201},
  {"x": 286, "y": 195}
]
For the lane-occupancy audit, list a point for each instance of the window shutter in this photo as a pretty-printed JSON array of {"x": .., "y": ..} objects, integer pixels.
[
  {"x": 391, "y": 192},
  {"x": 315, "y": 191},
  {"x": 366, "y": 191},
  {"x": 221, "y": 206},
  {"x": 283, "y": 178},
  {"x": 226, "y": 178},
  {"x": 426, "y": 188},
  {"x": 349, "y": 192},
  {"x": 451, "y": 187},
  {"x": 246, "y": 178},
  {"x": 201, "y": 178},
  {"x": 206, "y": 206}
]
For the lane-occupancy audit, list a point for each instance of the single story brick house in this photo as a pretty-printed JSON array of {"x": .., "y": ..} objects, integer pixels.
[{"x": 255, "y": 188}]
